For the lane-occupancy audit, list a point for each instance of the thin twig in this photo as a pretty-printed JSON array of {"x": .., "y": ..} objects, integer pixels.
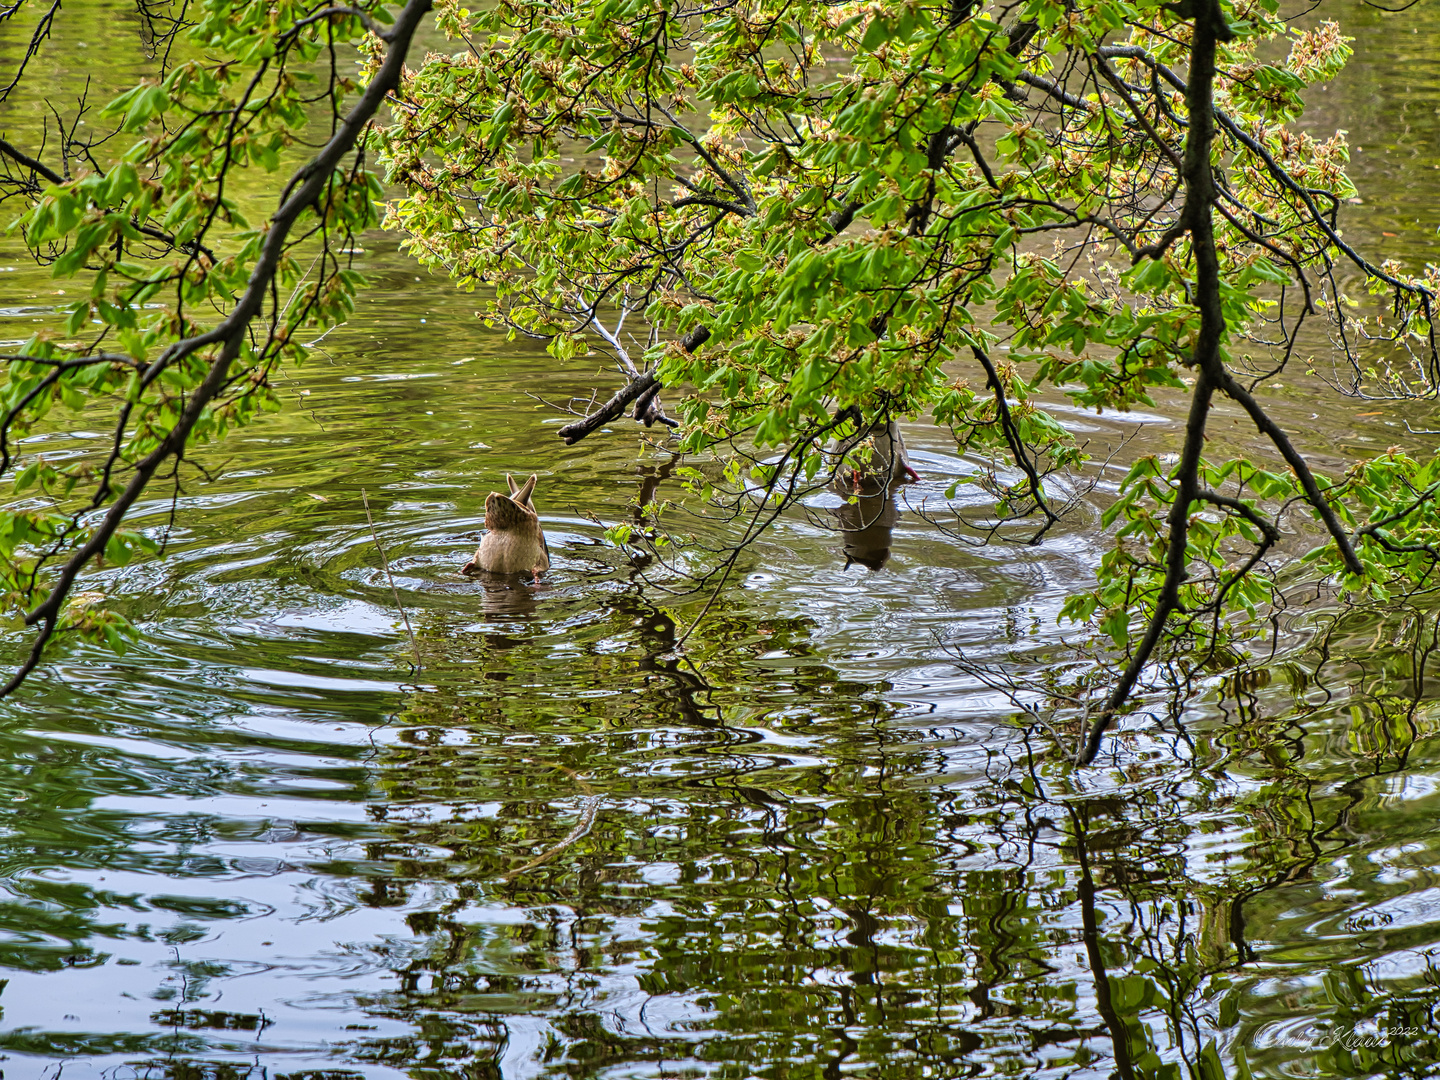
[
  {"x": 719, "y": 588},
  {"x": 385, "y": 564}
]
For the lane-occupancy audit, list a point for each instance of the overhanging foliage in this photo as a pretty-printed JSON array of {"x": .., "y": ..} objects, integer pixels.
[
  {"x": 846, "y": 213},
  {"x": 824, "y": 216}
]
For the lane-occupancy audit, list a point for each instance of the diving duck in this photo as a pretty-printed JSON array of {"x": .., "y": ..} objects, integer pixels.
[{"x": 513, "y": 542}]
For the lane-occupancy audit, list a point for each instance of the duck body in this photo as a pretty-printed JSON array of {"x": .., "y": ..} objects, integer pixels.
[
  {"x": 514, "y": 542},
  {"x": 889, "y": 462}
]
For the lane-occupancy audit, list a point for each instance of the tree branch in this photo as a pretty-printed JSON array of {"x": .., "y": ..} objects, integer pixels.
[
  {"x": 1313, "y": 495},
  {"x": 305, "y": 188},
  {"x": 647, "y": 382},
  {"x": 1200, "y": 194},
  {"x": 1017, "y": 446},
  {"x": 36, "y": 166}
]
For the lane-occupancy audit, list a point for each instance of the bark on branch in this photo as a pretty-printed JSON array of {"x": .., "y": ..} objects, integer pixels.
[
  {"x": 1197, "y": 214},
  {"x": 1016, "y": 444},
  {"x": 645, "y": 384},
  {"x": 1197, "y": 219}
]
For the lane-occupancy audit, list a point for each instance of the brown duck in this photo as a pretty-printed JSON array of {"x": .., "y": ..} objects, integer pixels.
[{"x": 513, "y": 543}]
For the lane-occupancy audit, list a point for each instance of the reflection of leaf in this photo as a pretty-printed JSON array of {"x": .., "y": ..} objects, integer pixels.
[{"x": 1208, "y": 1065}]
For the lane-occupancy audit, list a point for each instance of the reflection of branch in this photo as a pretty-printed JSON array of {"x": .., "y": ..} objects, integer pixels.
[
  {"x": 385, "y": 565},
  {"x": 587, "y": 818},
  {"x": 1104, "y": 1004}
]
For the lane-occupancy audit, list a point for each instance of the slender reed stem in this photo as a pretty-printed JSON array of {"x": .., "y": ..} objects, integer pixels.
[{"x": 385, "y": 564}]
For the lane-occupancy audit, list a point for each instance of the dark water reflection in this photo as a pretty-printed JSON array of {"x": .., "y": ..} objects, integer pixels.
[{"x": 810, "y": 845}]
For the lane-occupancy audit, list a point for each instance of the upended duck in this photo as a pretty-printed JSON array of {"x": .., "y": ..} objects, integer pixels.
[
  {"x": 889, "y": 460},
  {"x": 513, "y": 542}
]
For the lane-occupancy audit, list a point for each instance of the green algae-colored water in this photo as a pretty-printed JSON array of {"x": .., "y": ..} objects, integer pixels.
[{"x": 260, "y": 844}]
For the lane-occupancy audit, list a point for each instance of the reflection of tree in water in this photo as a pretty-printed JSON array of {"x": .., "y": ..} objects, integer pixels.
[
  {"x": 787, "y": 876},
  {"x": 781, "y": 890}
]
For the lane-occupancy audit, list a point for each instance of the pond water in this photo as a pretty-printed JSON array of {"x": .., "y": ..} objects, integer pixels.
[{"x": 261, "y": 844}]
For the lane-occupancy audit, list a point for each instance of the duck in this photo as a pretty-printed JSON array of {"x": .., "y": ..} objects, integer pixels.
[
  {"x": 514, "y": 542},
  {"x": 869, "y": 514},
  {"x": 889, "y": 460}
]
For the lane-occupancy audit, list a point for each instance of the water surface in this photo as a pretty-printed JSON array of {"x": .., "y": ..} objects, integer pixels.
[{"x": 809, "y": 844}]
